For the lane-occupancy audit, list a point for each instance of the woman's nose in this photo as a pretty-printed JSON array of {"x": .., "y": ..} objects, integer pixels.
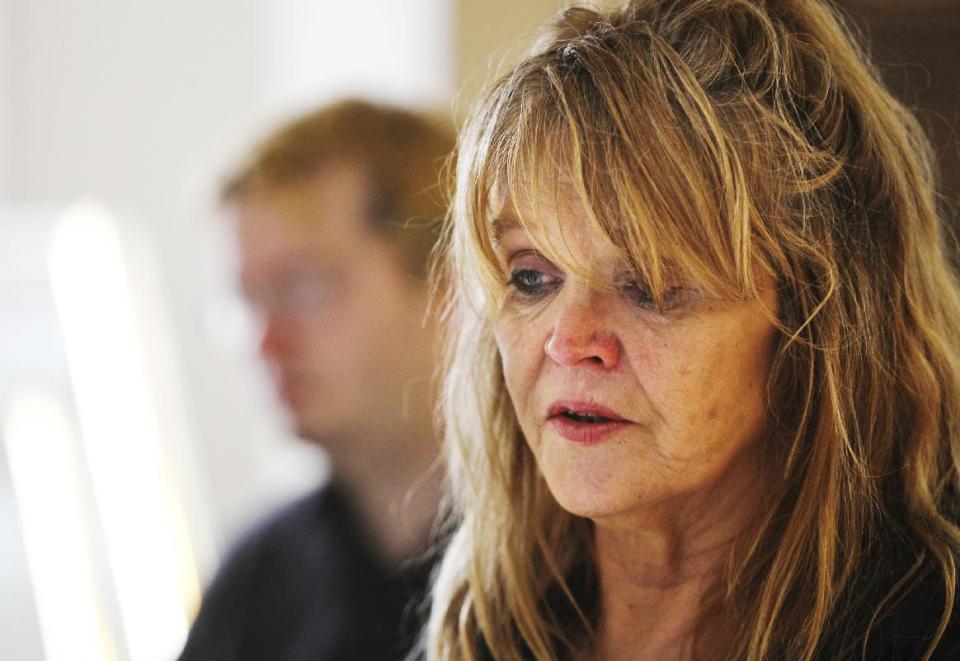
[{"x": 581, "y": 334}]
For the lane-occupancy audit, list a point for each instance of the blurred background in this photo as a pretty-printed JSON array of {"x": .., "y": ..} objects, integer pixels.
[{"x": 138, "y": 434}]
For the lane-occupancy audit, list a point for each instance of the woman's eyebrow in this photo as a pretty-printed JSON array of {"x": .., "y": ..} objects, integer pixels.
[{"x": 501, "y": 226}]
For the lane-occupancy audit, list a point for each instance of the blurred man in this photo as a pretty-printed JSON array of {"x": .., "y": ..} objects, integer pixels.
[{"x": 335, "y": 215}]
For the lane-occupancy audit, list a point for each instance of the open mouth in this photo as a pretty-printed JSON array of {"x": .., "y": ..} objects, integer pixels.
[
  {"x": 585, "y": 423},
  {"x": 591, "y": 418},
  {"x": 586, "y": 412}
]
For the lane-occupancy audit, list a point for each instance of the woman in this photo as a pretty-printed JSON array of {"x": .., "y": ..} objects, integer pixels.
[{"x": 703, "y": 386}]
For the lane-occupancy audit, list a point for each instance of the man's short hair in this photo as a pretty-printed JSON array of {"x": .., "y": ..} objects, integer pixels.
[{"x": 403, "y": 154}]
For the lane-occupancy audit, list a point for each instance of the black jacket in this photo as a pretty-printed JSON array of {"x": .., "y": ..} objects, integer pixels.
[{"x": 305, "y": 586}]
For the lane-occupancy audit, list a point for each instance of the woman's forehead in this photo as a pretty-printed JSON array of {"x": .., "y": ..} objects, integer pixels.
[{"x": 548, "y": 216}]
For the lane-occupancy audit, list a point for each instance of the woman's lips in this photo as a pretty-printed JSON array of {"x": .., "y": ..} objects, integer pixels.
[{"x": 585, "y": 423}]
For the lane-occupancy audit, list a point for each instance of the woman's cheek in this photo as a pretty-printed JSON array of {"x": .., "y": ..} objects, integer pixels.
[{"x": 519, "y": 354}]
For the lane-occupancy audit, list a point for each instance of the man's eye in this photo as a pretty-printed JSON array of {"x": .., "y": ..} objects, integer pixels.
[
  {"x": 297, "y": 294},
  {"x": 307, "y": 293},
  {"x": 255, "y": 297},
  {"x": 531, "y": 283}
]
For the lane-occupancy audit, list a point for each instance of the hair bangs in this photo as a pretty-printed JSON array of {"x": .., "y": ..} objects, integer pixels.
[{"x": 663, "y": 185}]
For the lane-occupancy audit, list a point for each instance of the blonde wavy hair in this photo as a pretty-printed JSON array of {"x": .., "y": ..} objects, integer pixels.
[{"x": 724, "y": 138}]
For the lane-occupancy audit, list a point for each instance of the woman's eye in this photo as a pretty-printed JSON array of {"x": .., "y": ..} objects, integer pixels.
[
  {"x": 639, "y": 294},
  {"x": 532, "y": 283}
]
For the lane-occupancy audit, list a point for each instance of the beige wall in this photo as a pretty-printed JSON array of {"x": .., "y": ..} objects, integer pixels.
[{"x": 490, "y": 34}]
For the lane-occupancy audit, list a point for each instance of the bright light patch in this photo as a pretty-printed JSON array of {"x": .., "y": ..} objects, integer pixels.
[
  {"x": 381, "y": 49},
  {"x": 142, "y": 525},
  {"x": 43, "y": 465}
]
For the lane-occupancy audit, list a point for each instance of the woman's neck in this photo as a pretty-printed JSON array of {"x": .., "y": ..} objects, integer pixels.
[
  {"x": 656, "y": 570},
  {"x": 652, "y": 590}
]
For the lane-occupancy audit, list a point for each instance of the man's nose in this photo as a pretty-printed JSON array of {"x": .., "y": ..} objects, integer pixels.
[
  {"x": 275, "y": 337},
  {"x": 581, "y": 333}
]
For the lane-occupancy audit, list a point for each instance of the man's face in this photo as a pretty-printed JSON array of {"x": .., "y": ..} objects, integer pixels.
[{"x": 341, "y": 320}]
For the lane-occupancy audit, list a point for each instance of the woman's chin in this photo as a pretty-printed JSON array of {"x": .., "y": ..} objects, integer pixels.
[
  {"x": 581, "y": 496},
  {"x": 595, "y": 483}
]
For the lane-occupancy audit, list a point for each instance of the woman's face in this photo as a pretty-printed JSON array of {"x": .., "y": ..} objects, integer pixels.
[{"x": 629, "y": 409}]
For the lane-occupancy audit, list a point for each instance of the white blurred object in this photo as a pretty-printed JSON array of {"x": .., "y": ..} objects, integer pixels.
[
  {"x": 45, "y": 472},
  {"x": 137, "y": 499}
]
